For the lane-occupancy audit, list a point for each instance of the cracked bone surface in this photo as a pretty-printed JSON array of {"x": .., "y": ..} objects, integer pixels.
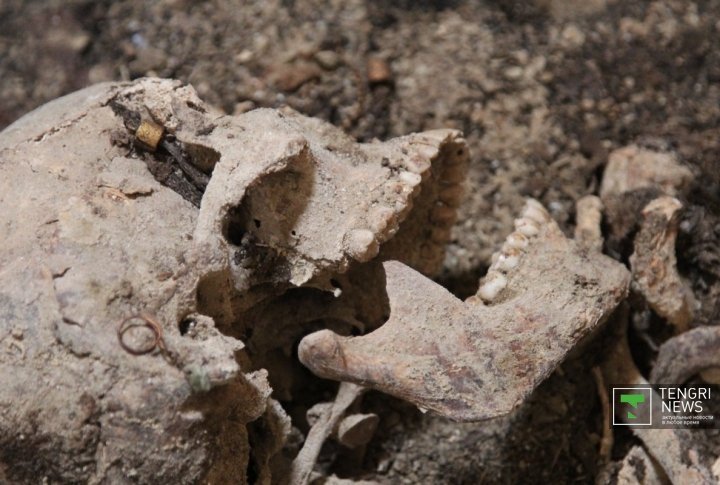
[
  {"x": 96, "y": 230},
  {"x": 654, "y": 265},
  {"x": 632, "y": 178},
  {"x": 633, "y": 167},
  {"x": 473, "y": 360}
]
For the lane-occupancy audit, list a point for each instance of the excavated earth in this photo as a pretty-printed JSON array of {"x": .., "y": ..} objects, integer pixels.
[{"x": 543, "y": 92}]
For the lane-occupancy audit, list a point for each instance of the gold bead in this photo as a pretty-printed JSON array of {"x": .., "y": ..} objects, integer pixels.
[{"x": 148, "y": 135}]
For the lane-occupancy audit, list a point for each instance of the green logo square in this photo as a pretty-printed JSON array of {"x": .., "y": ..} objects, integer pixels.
[{"x": 632, "y": 406}]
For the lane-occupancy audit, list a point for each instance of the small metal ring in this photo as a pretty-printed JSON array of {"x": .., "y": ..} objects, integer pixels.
[{"x": 148, "y": 322}]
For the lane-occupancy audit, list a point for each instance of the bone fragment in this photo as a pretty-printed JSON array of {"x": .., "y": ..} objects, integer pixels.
[
  {"x": 473, "y": 361},
  {"x": 687, "y": 354},
  {"x": 329, "y": 419},
  {"x": 632, "y": 168},
  {"x": 654, "y": 265},
  {"x": 587, "y": 229}
]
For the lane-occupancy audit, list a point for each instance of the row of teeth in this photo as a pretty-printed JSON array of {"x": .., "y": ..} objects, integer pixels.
[
  {"x": 383, "y": 221},
  {"x": 363, "y": 244},
  {"x": 451, "y": 175},
  {"x": 449, "y": 196},
  {"x": 527, "y": 227}
]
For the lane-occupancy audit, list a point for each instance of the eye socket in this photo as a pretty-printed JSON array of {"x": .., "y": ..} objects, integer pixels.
[{"x": 234, "y": 226}]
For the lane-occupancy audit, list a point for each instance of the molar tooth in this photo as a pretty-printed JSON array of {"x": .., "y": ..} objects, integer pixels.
[
  {"x": 443, "y": 215},
  {"x": 453, "y": 175},
  {"x": 530, "y": 202},
  {"x": 410, "y": 178},
  {"x": 534, "y": 210},
  {"x": 428, "y": 152},
  {"x": 457, "y": 158},
  {"x": 417, "y": 165},
  {"x": 431, "y": 253},
  {"x": 507, "y": 261},
  {"x": 492, "y": 285},
  {"x": 535, "y": 215},
  {"x": 515, "y": 240},
  {"x": 380, "y": 218},
  {"x": 361, "y": 245},
  {"x": 402, "y": 207},
  {"x": 452, "y": 195},
  {"x": 440, "y": 235},
  {"x": 527, "y": 227},
  {"x": 434, "y": 137}
]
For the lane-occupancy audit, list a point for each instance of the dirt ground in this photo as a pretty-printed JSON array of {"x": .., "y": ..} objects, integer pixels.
[{"x": 542, "y": 90}]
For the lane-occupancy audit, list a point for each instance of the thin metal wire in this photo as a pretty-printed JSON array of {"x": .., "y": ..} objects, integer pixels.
[{"x": 148, "y": 322}]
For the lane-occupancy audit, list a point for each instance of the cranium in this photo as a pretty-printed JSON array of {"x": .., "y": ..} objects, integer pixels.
[
  {"x": 99, "y": 233},
  {"x": 158, "y": 257}
]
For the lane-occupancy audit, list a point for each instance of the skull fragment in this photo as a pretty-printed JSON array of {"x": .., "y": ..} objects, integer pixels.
[{"x": 161, "y": 263}]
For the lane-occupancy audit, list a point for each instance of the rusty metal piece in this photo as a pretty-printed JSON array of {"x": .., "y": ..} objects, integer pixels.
[
  {"x": 378, "y": 71},
  {"x": 195, "y": 175},
  {"x": 147, "y": 322},
  {"x": 469, "y": 361},
  {"x": 654, "y": 265},
  {"x": 148, "y": 135}
]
